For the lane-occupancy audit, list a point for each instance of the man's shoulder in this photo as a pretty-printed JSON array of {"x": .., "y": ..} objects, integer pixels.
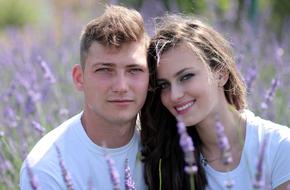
[{"x": 44, "y": 150}]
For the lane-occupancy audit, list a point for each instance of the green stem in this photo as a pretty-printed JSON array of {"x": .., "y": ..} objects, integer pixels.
[
  {"x": 192, "y": 185},
  {"x": 160, "y": 174}
]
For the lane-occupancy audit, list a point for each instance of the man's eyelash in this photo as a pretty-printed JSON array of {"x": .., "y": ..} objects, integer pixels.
[{"x": 103, "y": 69}]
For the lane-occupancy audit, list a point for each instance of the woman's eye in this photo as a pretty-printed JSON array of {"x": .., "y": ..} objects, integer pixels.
[
  {"x": 186, "y": 77},
  {"x": 163, "y": 86}
]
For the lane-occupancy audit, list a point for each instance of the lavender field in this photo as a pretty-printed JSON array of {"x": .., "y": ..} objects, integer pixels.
[{"x": 37, "y": 93}]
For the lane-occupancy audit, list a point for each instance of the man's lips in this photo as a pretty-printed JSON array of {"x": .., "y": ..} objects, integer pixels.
[{"x": 121, "y": 102}]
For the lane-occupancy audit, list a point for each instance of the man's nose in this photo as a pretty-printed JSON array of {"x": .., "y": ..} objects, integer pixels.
[{"x": 120, "y": 84}]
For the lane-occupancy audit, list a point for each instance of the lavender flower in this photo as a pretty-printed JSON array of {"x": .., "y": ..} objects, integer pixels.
[
  {"x": 115, "y": 177},
  {"x": 10, "y": 117},
  {"x": 129, "y": 182},
  {"x": 250, "y": 78},
  {"x": 223, "y": 143},
  {"x": 38, "y": 127},
  {"x": 270, "y": 94},
  {"x": 30, "y": 106},
  {"x": 187, "y": 147},
  {"x": 5, "y": 164},
  {"x": 47, "y": 72},
  {"x": 65, "y": 174},
  {"x": 259, "y": 182},
  {"x": 279, "y": 52},
  {"x": 32, "y": 178}
]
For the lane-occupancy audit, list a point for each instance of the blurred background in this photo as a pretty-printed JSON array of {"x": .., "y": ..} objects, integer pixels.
[{"x": 39, "y": 43}]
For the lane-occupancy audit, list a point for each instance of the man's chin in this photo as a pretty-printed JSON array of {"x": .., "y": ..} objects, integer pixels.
[{"x": 124, "y": 120}]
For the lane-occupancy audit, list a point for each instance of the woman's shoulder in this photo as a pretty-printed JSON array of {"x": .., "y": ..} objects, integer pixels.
[{"x": 264, "y": 126}]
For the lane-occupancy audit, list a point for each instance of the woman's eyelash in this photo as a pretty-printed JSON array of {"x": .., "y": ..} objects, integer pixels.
[{"x": 186, "y": 76}]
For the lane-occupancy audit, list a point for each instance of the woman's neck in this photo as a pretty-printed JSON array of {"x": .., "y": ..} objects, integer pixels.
[{"x": 234, "y": 129}]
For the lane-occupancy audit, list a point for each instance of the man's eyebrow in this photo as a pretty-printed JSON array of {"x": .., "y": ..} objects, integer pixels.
[
  {"x": 103, "y": 64},
  {"x": 134, "y": 65}
]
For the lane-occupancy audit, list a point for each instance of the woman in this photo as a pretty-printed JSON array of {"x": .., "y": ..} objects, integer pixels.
[{"x": 193, "y": 77}]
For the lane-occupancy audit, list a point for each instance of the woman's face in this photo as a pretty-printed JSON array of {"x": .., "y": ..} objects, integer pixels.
[{"x": 188, "y": 87}]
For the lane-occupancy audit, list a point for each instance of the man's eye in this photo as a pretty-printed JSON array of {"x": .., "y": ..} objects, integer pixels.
[
  {"x": 186, "y": 77},
  {"x": 104, "y": 70},
  {"x": 135, "y": 70}
]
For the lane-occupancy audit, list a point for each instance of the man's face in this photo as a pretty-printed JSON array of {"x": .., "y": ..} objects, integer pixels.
[{"x": 115, "y": 82}]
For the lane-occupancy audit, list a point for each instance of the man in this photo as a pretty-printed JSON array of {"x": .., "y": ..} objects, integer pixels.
[{"x": 113, "y": 76}]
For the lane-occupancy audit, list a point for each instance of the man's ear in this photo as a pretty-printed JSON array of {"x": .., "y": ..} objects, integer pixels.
[
  {"x": 222, "y": 76},
  {"x": 78, "y": 77}
]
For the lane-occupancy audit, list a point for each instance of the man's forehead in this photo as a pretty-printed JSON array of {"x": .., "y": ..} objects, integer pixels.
[
  {"x": 116, "y": 49},
  {"x": 118, "y": 64}
]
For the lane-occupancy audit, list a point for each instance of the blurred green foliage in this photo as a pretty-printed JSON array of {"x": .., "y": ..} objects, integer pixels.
[
  {"x": 251, "y": 10},
  {"x": 137, "y": 4},
  {"x": 267, "y": 73},
  {"x": 191, "y": 6},
  {"x": 280, "y": 13},
  {"x": 17, "y": 13},
  {"x": 279, "y": 104}
]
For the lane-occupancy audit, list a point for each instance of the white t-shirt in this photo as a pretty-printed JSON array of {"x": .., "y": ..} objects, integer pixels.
[
  {"x": 83, "y": 159},
  {"x": 276, "y": 159}
]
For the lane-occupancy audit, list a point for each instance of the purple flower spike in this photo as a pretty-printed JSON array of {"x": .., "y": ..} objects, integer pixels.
[
  {"x": 115, "y": 177},
  {"x": 259, "y": 182},
  {"x": 223, "y": 143},
  {"x": 270, "y": 94},
  {"x": 186, "y": 144},
  {"x": 129, "y": 182},
  {"x": 190, "y": 169},
  {"x": 38, "y": 127},
  {"x": 65, "y": 174},
  {"x": 32, "y": 178},
  {"x": 250, "y": 78},
  {"x": 46, "y": 70}
]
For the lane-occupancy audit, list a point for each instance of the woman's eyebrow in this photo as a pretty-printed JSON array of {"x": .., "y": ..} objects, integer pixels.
[{"x": 182, "y": 71}]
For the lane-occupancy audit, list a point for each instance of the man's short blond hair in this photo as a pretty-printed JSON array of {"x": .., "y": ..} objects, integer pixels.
[{"x": 116, "y": 26}]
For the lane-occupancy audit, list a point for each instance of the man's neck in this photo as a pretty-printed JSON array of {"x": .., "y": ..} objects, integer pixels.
[{"x": 107, "y": 134}]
